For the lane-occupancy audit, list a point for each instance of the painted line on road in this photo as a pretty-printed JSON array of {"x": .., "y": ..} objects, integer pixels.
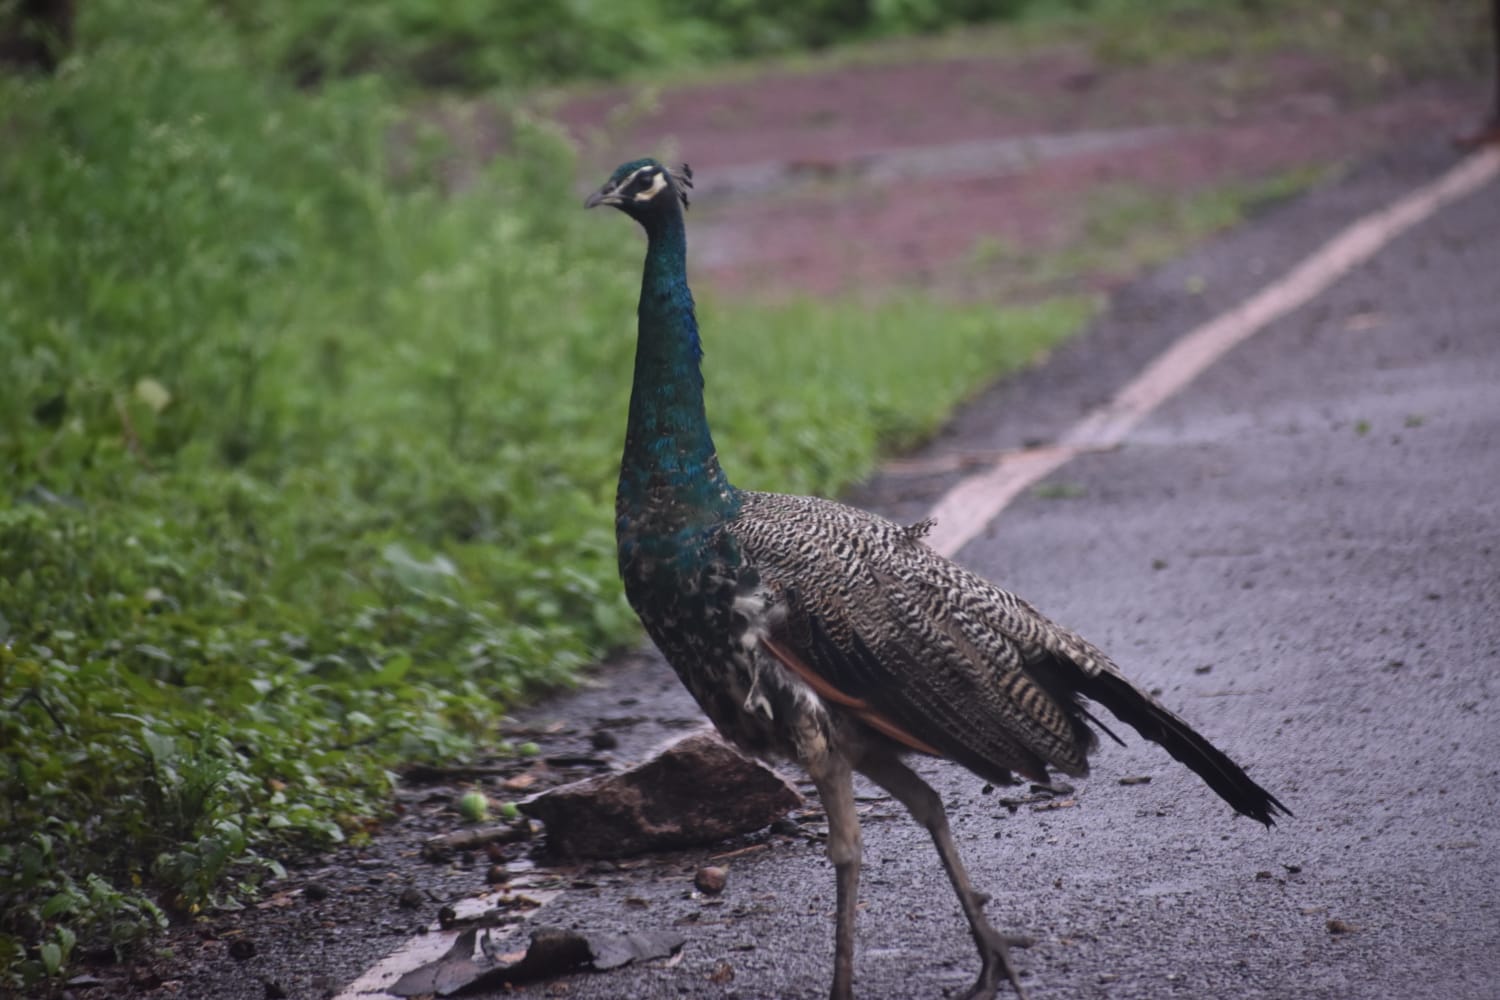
[{"x": 966, "y": 509}]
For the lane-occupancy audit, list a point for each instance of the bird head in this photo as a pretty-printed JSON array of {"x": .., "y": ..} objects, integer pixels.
[{"x": 644, "y": 189}]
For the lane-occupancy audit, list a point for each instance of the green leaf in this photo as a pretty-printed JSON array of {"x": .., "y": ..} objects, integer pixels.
[{"x": 59, "y": 903}]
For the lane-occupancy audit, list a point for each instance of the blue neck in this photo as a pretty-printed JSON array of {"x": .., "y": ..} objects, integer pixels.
[{"x": 670, "y": 471}]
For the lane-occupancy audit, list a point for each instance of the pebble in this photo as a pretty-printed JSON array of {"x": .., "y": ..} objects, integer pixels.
[{"x": 711, "y": 879}]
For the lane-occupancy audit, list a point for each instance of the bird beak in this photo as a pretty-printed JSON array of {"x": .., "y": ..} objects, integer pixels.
[{"x": 604, "y": 196}]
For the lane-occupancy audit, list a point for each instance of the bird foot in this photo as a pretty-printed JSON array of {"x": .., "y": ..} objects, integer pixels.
[
  {"x": 986, "y": 987},
  {"x": 994, "y": 951}
]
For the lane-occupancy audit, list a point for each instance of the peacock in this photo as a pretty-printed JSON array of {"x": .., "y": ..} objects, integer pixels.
[{"x": 812, "y": 631}]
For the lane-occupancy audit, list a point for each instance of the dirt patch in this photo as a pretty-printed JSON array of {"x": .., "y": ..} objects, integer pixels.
[
  {"x": 832, "y": 115},
  {"x": 927, "y": 233},
  {"x": 808, "y": 183}
]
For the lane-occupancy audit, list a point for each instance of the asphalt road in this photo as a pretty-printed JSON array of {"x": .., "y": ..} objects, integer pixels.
[{"x": 1301, "y": 551}]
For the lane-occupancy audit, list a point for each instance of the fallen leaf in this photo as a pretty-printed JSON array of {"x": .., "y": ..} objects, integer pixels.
[{"x": 281, "y": 899}]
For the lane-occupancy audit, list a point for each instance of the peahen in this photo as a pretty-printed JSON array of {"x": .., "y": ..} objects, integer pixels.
[{"x": 812, "y": 631}]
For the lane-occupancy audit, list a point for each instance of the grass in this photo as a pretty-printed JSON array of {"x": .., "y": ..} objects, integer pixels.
[
  {"x": 1376, "y": 45},
  {"x": 1123, "y": 228}
]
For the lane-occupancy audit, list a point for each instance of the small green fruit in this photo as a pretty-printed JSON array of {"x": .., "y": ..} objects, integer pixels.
[
  {"x": 508, "y": 811},
  {"x": 528, "y": 749},
  {"x": 473, "y": 807}
]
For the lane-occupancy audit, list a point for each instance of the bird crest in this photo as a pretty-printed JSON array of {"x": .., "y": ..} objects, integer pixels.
[{"x": 682, "y": 178}]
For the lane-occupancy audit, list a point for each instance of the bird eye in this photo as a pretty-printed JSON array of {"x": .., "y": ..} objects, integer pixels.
[{"x": 646, "y": 184}]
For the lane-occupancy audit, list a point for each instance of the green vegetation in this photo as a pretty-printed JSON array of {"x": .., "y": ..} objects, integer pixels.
[
  {"x": 515, "y": 42},
  {"x": 306, "y": 467},
  {"x": 1378, "y": 45},
  {"x": 1059, "y": 491},
  {"x": 1381, "y": 42},
  {"x": 1120, "y": 228}
]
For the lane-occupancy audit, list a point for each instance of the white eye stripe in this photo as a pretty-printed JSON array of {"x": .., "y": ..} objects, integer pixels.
[{"x": 657, "y": 183}]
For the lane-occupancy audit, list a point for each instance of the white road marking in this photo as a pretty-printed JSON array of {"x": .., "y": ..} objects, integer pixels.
[{"x": 964, "y": 511}]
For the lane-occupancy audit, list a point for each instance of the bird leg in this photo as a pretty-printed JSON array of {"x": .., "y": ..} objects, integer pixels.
[
  {"x": 835, "y": 784},
  {"x": 927, "y": 809}
]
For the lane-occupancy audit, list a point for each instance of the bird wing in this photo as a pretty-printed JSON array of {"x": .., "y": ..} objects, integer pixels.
[{"x": 918, "y": 648}]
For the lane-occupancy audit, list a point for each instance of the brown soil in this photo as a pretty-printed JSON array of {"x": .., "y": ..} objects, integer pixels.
[{"x": 808, "y": 183}]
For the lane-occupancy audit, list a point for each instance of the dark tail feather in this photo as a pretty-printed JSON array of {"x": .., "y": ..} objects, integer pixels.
[{"x": 1181, "y": 741}]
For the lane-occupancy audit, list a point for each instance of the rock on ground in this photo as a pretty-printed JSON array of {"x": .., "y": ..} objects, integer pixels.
[{"x": 696, "y": 791}]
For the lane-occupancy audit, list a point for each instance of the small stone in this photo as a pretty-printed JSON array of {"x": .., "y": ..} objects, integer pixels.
[
  {"x": 696, "y": 791},
  {"x": 711, "y": 879},
  {"x": 274, "y": 990},
  {"x": 497, "y": 875},
  {"x": 241, "y": 948},
  {"x": 1337, "y": 926},
  {"x": 723, "y": 973},
  {"x": 315, "y": 891},
  {"x": 603, "y": 739},
  {"x": 411, "y": 898}
]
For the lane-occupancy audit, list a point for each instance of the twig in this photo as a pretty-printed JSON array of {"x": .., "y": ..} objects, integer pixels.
[
  {"x": 33, "y": 695},
  {"x": 132, "y": 439}
]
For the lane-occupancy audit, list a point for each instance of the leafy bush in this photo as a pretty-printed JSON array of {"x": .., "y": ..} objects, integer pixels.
[{"x": 512, "y": 42}]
